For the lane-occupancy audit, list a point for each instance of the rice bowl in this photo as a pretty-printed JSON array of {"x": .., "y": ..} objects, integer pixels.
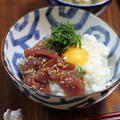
[{"x": 14, "y": 45}]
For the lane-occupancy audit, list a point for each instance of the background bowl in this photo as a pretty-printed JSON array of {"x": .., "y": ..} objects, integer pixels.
[
  {"x": 96, "y": 8},
  {"x": 36, "y": 26}
]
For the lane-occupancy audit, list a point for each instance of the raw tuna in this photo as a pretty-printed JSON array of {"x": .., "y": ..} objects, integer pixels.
[
  {"x": 59, "y": 63},
  {"x": 71, "y": 84},
  {"x": 40, "y": 52},
  {"x": 33, "y": 62},
  {"x": 36, "y": 80}
]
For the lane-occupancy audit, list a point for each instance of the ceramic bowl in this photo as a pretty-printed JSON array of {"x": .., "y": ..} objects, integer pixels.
[
  {"x": 35, "y": 26},
  {"x": 96, "y": 8}
]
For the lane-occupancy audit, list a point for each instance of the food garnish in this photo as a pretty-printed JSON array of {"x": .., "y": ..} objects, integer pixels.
[
  {"x": 79, "y": 71},
  {"x": 62, "y": 37}
]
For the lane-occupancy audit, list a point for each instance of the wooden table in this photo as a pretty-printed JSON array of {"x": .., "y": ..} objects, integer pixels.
[{"x": 11, "y": 97}]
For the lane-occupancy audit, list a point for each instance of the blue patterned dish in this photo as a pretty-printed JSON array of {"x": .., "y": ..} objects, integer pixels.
[
  {"x": 96, "y": 8},
  {"x": 35, "y": 26}
]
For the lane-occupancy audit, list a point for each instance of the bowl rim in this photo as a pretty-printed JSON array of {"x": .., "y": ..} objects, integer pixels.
[
  {"x": 104, "y": 2},
  {"x": 36, "y": 91}
]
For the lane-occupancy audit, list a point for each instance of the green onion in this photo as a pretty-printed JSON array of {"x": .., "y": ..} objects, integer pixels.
[{"x": 62, "y": 37}]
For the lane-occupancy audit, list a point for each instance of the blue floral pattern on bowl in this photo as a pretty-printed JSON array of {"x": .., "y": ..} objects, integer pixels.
[{"x": 36, "y": 26}]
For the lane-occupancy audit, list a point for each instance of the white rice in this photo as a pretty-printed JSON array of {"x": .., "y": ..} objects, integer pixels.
[
  {"x": 98, "y": 71},
  {"x": 56, "y": 89}
]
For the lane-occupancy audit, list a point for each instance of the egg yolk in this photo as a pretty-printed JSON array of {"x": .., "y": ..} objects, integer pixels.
[{"x": 75, "y": 56}]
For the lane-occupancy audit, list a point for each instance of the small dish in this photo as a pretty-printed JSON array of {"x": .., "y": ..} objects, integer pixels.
[{"x": 96, "y": 8}]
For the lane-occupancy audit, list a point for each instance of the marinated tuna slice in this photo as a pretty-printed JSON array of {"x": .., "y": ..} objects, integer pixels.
[
  {"x": 55, "y": 63},
  {"x": 33, "y": 62},
  {"x": 28, "y": 77},
  {"x": 40, "y": 52},
  {"x": 68, "y": 81},
  {"x": 42, "y": 76},
  {"x": 37, "y": 80},
  {"x": 45, "y": 88}
]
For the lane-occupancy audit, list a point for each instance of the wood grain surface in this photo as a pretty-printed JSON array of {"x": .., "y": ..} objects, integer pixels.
[{"x": 11, "y": 97}]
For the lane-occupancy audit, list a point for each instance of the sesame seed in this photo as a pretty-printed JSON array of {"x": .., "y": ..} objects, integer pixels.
[
  {"x": 42, "y": 73},
  {"x": 59, "y": 64},
  {"x": 62, "y": 82},
  {"x": 33, "y": 86},
  {"x": 34, "y": 62},
  {"x": 62, "y": 73},
  {"x": 44, "y": 60},
  {"x": 54, "y": 70},
  {"x": 69, "y": 78},
  {"x": 41, "y": 88},
  {"x": 66, "y": 79},
  {"x": 73, "y": 87},
  {"x": 34, "y": 73},
  {"x": 37, "y": 48},
  {"x": 28, "y": 71}
]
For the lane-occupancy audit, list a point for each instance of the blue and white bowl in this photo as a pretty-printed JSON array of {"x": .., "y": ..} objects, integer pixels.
[
  {"x": 96, "y": 8},
  {"x": 35, "y": 26}
]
